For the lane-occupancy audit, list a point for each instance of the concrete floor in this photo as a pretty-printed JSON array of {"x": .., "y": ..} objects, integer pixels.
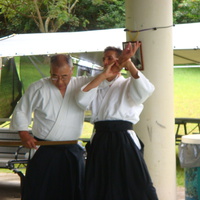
[{"x": 10, "y": 187}]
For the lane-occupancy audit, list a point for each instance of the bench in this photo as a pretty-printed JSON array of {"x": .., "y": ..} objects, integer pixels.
[{"x": 14, "y": 156}]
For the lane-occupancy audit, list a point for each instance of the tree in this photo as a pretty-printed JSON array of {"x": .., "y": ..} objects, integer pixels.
[
  {"x": 107, "y": 14},
  {"x": 60, "y": 15},
  {"x": 33, "y": 16},
  {"x": 186, "y": 11},
  {"x": 48, "y": 15},
  {"x": 24, "y": 16}
]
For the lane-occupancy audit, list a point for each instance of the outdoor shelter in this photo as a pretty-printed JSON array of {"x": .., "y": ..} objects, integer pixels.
[
  {"x": 86, "y": 47},
  {"x": 157, "y": 120},
  {"x": 186, "y": 44},
  {"x": 89, "y": 45}
]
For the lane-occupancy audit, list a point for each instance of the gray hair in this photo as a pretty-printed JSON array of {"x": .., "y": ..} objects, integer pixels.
[{"x": 59, "y": 59}]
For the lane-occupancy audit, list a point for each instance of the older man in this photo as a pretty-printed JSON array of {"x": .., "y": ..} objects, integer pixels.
[{"x": 55, "y": 171}]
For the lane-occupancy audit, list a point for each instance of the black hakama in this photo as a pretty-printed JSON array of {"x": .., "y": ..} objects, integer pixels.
[
  {"x": 115, "y": 168},
  {"x": 55, "y": 173}
]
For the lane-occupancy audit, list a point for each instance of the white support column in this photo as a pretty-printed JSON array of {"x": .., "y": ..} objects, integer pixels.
[{"x": 156, "y": 127}]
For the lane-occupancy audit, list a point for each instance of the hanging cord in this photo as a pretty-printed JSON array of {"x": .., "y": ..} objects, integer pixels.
[{"x": 147, "y": 29}]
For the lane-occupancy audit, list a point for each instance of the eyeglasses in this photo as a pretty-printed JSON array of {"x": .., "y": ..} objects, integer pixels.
[{"x": 55, "y": 78}]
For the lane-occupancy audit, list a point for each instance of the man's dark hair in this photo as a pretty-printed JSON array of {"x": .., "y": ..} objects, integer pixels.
[{"x": 117, "y": 50}]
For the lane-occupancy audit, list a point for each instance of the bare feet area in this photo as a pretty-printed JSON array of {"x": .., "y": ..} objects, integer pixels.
[{"x": 10, "y": 187}]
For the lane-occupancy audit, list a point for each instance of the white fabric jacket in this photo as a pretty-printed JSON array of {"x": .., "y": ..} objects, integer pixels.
[
  {"x": 121, "y": 99},
  {"x": 55, "y": 117}
]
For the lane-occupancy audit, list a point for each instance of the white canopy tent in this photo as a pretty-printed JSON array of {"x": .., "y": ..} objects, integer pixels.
[
  {"x": 186, "y": 44},
  {"x": 86, "y": 45},
  {"x": 89, "y": 45}
]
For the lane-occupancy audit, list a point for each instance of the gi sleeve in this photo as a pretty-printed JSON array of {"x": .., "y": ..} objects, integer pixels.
[
  {"x": 84, "y": 99},
  {"x": 22, "y": 114},
  {"x": 140, "y": 89}
]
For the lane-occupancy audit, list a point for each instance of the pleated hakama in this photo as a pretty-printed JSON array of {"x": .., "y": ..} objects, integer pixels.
[
  {"x": 115, "y": 168},
  {"x": 55, "y": 173}
]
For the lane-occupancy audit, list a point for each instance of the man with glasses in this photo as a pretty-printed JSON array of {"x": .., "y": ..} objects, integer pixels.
[{"x": 55, "y": 171}]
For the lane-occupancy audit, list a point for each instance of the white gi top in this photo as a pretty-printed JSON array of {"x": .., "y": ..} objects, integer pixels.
[
  {"x": 55, "y": 117},
  {"x": 120, "y": 99}
]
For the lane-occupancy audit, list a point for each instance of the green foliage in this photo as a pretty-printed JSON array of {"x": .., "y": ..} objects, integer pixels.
[
  {"x": 28, "y": 16},
  {"x": 20, "y": 16},
  {"x": 113, "y": 16},
  {"x": 102, "y": 15},
  {"x": 48, "y": 16},
  {"x": 186, "y": 11}
]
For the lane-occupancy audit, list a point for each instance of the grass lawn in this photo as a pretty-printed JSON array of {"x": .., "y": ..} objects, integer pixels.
[
  {"x": 186, "y": 101},
  {"x": 187, "y": 92}
]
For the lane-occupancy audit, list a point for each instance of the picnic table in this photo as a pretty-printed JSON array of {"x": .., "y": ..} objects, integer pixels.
[{"x": 184, "y": 122}]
